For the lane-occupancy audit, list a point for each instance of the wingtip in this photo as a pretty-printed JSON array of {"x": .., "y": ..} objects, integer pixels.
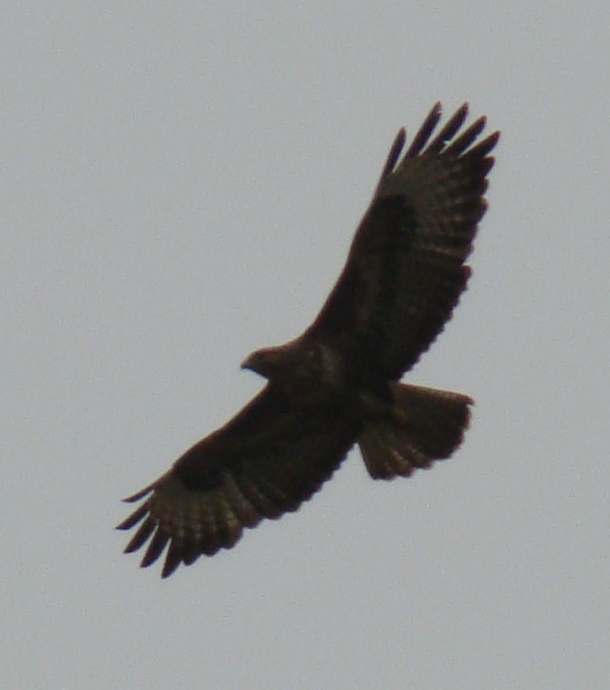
[
  {"x": 172, "y": 561},
  {"x": 494, "y": 137},
  {"x": 140, "y": 494},
  {"x": 394, "y": 154},
  {"x": 399, "y": 141},
  {"x": 166, "y": 572}
]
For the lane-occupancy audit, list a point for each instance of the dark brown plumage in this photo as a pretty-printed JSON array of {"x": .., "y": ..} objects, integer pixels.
[{"x": 337, "y": 384}]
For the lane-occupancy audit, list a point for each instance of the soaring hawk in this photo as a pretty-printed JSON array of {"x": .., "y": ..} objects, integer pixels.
[{"x": 338, "y": 384}]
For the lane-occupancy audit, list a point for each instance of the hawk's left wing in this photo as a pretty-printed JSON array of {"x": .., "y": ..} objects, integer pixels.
[{"x": 405, "y": 271}]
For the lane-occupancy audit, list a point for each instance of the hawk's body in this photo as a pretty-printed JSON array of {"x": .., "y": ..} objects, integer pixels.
[{"x": 337, "y": 384}]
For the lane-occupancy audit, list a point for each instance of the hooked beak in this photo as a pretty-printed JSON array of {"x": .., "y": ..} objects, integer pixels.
[
  {"x": 261, "y": 361},
  {"x": 249, "y": 362}
]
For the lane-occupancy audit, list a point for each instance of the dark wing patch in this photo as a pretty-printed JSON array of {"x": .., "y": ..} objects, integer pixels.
[
  {"x": 263, "y": 463},
  {"x": 405, "y": 271}
]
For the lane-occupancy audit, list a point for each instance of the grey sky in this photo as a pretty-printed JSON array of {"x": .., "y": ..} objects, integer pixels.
[{"x": 180, "y": 183}]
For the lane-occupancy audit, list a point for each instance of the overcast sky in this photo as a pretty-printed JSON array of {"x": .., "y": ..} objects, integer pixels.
[{"x": 180, "y": 184}]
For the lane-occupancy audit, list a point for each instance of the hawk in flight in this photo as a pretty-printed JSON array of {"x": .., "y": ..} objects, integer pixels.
[{"x": 338, "y": 384}]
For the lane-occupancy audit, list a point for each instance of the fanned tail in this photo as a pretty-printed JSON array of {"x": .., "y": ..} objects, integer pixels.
[{"x": 426, "y": 425}]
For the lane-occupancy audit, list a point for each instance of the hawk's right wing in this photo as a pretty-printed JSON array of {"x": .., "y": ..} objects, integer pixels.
[{"x": 266, "y": 461}]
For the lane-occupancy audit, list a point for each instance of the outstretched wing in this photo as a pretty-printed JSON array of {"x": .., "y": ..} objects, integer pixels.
[
  {"x": 266, "y": 461},
  {"x": 405, "y": 270}
]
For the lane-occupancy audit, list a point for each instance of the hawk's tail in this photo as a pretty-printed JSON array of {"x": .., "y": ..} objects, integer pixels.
[{"x": 425, "y": 425}]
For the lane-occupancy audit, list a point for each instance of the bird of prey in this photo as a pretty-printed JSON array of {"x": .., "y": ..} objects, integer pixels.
[{"x": 338, "y": 384}]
